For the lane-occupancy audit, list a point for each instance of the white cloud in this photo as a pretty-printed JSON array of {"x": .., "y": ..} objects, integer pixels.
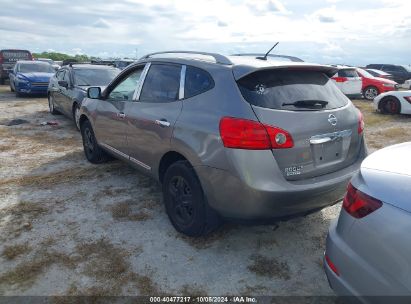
[{"x": 339, "y": 29}]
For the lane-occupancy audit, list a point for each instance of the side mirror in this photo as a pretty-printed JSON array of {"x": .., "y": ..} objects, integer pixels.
[
  {"x": 63, "y": 83},
  {"x": 94, "y": 93}
]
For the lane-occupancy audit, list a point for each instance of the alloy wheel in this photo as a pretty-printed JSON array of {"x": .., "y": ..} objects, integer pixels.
[{"x": 371, "y": 93}]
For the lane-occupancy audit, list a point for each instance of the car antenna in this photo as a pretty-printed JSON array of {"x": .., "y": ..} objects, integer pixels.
[{"x": 266, "y": 54}]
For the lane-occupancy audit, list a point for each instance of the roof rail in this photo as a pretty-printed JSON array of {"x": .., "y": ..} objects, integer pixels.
[
  {"x": 221, "y": 59},
  {"x": 291, "y": 58}
]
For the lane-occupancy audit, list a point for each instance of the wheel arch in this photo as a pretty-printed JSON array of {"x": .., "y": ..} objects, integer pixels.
[
  {"x": 166, "y": 161},
  {"x": 388, "y": 97},
  {"x": 83, "y": 118}
]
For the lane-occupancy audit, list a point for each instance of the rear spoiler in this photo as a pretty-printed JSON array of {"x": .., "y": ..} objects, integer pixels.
[{"x": 241, "y": 71}]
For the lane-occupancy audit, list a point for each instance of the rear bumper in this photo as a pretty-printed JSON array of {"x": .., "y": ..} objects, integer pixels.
[{"x": 263, "y": 194}]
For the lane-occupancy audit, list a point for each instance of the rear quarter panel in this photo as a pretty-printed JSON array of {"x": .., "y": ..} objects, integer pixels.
[
  {"x": 196, "y": 133},
  {"x": 381, "y": 243}
]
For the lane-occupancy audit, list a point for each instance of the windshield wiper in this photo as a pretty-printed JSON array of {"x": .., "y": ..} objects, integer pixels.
[{"x": 307, "y": 104}]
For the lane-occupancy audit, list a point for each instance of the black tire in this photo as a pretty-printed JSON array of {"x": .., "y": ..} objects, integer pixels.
[
  {"x": 185, "y": 202},
  {"x": 76, "y": 116},
  {"x": 52, "y": 109},
  {"x": 92, "y": 150},
  {"x": 11, "y": 87},
  {"x": 390, "y": 105},
  {"x": 370, "y": 92}
]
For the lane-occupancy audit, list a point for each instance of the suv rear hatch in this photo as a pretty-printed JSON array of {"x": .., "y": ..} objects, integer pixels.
[{"x": 325, "y": 127}]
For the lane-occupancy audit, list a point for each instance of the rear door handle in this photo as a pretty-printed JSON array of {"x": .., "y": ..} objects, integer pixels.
[
  {"x": 121, "y": 115},
  {"x": 162, "y": 123}
]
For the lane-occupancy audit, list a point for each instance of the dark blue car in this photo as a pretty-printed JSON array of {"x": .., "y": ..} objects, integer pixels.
[{"x": 30, "y": 77}]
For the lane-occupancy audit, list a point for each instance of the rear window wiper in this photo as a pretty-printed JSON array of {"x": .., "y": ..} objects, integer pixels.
[{"x": 307, "y": 104}]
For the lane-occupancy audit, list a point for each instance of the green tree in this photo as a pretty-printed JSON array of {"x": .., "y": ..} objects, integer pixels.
[{"x": 61, "y": 56}]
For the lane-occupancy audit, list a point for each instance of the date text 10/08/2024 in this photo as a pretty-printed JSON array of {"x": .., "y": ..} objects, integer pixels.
[{"x": 238, "y": 299}]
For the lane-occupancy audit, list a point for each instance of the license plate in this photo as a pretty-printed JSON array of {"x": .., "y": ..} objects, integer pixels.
[{"x": 327, "y": 152}]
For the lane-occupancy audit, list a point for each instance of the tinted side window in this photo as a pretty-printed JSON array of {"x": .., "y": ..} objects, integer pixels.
[
  {"x": 66, "y": 77},
  {"x": 388, "y": 68},
  {"x": 60, "y": 75},
  {"x": 347, "y": 73},
  {"x": 197, "y": 81},
  {"x": 162, "y": 83}
]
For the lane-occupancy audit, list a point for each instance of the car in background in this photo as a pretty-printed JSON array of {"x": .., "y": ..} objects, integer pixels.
[
  {"x": 368, "y": 248},
  {"x": 49, "y": 61},
  {"x": 407, "y": 84},
  {"x": 400, "y": 73},
  {"x": 394, "y": 102},
  {"x": 8, "y": 59},
  {"x": 348, "y": 81},
  {"x": 373, "y": 86},
  {"x": 235, "y": 137},
  {"x": 68, "y": 87},
  {"x": 122, "y": 63},
  {"x": 30, "y": 77},
  {"x": 378, "y": 73}
]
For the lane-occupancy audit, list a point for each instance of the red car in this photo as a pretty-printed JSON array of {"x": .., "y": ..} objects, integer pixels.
[{"x": 373, "y": 86}]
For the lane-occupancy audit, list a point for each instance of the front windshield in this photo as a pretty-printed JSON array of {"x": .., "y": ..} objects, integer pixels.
[
  {"x": 94, "y": 77},
  {"x": 365, "y": 74},
  {"x": 35, "y": 67}
]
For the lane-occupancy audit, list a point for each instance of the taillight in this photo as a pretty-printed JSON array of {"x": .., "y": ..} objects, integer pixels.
[
  {"x": 361, "y": 123},
  {"x": 331, "y": 265},
  {"x": 239, "y": 133},
  {"x": 359, "y": 204},
  {"x": 340, "y": 79},
  {"x": 408, "y": 98}
]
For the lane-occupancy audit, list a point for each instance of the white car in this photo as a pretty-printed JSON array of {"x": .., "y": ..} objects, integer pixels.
[
  {"x": 394, "y": 102},
  {"x": 348, "y": 81},
  {"x": 406, "y": 85}
]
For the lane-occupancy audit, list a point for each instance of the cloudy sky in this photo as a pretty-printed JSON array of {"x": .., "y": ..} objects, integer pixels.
[{"x": 330, "y": 31}]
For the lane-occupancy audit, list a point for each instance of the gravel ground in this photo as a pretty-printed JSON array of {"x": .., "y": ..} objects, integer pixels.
[{"x": 68, "y": 227}]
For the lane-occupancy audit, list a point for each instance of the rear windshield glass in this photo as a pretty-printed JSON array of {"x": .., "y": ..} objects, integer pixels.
[
  {"x": 94, "y": 77},
  {"x": 35, "y": 67},
  {"x": 347, "y": 73},
  {"x": 291, "y": 90}
]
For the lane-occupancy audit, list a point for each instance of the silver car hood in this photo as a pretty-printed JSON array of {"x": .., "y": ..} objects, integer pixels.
[{"x": 386, "y": 175}]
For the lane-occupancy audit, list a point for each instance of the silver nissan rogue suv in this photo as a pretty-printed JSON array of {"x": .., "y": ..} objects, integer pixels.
[{"x": 237, "y": 137}]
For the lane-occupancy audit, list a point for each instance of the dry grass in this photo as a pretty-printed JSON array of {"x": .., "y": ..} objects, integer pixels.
[
  {"x": 20, "y": 216},
  {"x": 13, "y": 251},
  {"x": 32, "y": 209},
  {"x": 104, "y": 260},
  {"x": 59, "y": 177},
  {"x": 210, "y": 240},
  {"x": 25, "y": 273},
  {"x": 192, "y": 290},
  {"x": 123, "y": 210},
  {"x": 372, "y": 118},
  {"x": 269, "y": 267}
]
